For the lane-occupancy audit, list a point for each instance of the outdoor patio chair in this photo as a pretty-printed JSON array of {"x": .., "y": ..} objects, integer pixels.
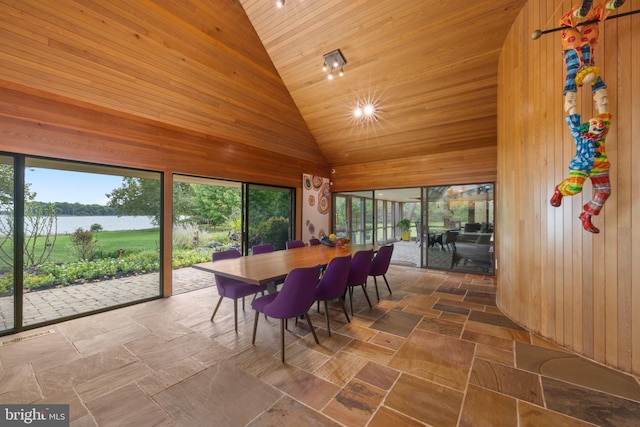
[
  {"x": 230, "y": 288},
  {"x": 293, "y": 300}
]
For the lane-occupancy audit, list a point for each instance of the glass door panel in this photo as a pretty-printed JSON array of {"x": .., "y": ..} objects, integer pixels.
[
  {"x": 269, "y": 216},
  {"x": 207, "y": 218},
  {"x": 460, "y": 228},
  {"x": 7, "y": 253},
  {"x": 91, "y": 238},
  {"x": 353, "y": 216}
]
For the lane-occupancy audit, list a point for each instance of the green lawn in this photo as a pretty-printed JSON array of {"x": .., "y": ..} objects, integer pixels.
[{"x": 109, "y": 242}]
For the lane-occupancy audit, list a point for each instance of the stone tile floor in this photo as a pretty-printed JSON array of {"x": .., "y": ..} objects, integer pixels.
[{"x": 437, "y": 352}]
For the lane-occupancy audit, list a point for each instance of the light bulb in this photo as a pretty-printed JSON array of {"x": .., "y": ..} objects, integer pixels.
[
  {"x": 341, "y": 72},
  {"x": 324, "y": 67},
  {"x": 330, "y": 76},
  {"x": 357, "y": 112},
  {"x": 368, "y": 109},
  {"x": 280, "y": 3}
]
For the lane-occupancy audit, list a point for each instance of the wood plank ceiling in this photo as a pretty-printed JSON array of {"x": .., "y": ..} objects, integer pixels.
[{"x": 429, "y": 67}]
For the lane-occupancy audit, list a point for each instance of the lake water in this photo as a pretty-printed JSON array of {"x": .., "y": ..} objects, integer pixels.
[{"x": 69, "y": 224}]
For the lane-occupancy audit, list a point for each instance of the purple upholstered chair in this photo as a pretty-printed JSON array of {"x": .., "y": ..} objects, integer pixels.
[
  {"x": 380, "y": 265},
  {"x": 360, "y": 265},
  {"x": 293, "y": 300},
  {"x": 292, "y": 244},
  {"x": 313, "y": 242},
  {"x": 231, "y": 288},
  {"x": 262, "y": 249},
  {"x": 333, "y": 284}
]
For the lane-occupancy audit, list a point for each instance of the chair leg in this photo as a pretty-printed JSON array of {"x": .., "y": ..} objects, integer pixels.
[
  {"x": 282, "y": 339},
  {"x": 235, "y": 313},
  {"x": 326, "y": 316},
  {"x": 364, "y": 289},
  {"x": 385, "y": 281},
  {"x": 255, "y": 327},
  {"x": 351, "y": 299},
  {"x": 215, "y": 310},
  {"x": 313, "y": 330},
  {"x": 344, "y": 309},
  {"x": 375, "y": 282}
]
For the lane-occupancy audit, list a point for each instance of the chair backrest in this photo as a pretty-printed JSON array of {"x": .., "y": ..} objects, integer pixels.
[
  {"x": 297, "y": 294},
  {"x": 262, "y": 249},
  {"x": 360, "y": 265},
  {"x": 334, "y": 280},
  {"x": 291, "y": 244},
  {"x": 230, "y": 253},
  {"x": 222, "y": 281},
  {"x": 313, "y": 242},
  {"x": 380, "y": 263}
]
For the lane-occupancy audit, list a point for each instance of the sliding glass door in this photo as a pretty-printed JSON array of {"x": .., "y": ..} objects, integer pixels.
[
  {"x": 75, "y": 238},
  {"x": 7, "y": 238},
  {"x": 270, "y": 216},
  {"x": 460, "y": 227},
  {"x": 353, "y": 216}
]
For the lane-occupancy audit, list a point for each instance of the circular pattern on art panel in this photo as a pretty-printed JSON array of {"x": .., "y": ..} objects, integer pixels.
[
  {"x": 317, "y": 181},
  {"x": 307, "y": 182},
  {"x": 312, "y": 200},
  {"x": 312, "y": 229},
  {"x": 323, "y": 204}
]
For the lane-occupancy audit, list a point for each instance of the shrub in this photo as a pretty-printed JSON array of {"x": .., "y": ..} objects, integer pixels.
[
  {"x": 95, "y": 228},
  {"x": 275, "y": 230},
  {"x": 84, "y": 244},
  {"x": 186, "y": 257}
]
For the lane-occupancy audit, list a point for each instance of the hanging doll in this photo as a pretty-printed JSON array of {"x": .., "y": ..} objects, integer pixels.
[{"x": 590, "y": 160}]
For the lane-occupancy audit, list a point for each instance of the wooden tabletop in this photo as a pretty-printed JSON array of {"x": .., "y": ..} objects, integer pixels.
[{"x": 273, "y": 266}]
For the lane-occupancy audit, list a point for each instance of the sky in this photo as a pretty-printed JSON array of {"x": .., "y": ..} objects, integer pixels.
[{"x": 53, "y": 185}]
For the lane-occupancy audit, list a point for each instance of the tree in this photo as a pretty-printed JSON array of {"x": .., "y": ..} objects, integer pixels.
[
  {"x": 216, "y": 204},
  {"x": 40, "y": 222},
  {"x": 137, "y": 197},
  {"x": 141, "y": 197}
]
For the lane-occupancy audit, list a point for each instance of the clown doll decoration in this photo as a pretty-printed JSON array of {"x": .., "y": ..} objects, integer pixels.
[{"x": 590, "y": 160}]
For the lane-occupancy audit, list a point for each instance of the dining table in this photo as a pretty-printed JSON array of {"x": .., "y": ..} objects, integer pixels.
[{"x": 270, "y": 267}]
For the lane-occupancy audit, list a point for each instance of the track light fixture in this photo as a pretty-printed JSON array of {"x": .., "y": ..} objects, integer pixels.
[{"x": 333, "y": 61}]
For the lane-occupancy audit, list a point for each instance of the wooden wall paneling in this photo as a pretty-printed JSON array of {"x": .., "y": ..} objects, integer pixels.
[
  {"x": 52, "y": 128},
  {"x": 608, "y": 51},
  {"x": 633, "y": 134},
  {"x": 618, "y": 47},
  {"x": 138, "y": 58},
  {"x": 548, "y": 179},
  {"x": 535, "y": 152},
  {"x": 468, "y": 166},
  {"x": 575, "y": 288}
]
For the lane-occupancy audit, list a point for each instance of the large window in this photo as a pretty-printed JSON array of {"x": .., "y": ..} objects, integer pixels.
[
  {"x": 7, "y": 236},
  {"x": 207, "y": 217},
  {"x": 269, "y": 215},
  {"x": 89, "y": 237},
  {"x": 450, "y": 227},
  {"x": 353, "y": 216}
]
